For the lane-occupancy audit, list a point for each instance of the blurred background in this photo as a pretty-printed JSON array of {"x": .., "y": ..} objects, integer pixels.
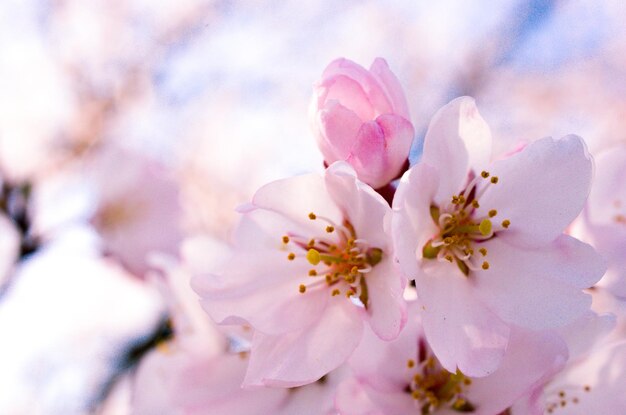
[{"x": 134, "y": 127}]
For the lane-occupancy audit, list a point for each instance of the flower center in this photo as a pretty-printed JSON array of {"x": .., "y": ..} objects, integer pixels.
[
  {"x": 432, "y": 386},
  {"x": 461, "y": 230},
  {"x": 339, "y": 259}
]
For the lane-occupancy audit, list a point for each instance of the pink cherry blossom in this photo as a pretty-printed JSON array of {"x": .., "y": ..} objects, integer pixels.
[
  {"x": 312, "y": 263},
  {"x": 404, "y": 377},
  {"x": 591, "y": 382},
  {"x": 604, "y": 218},
  {"x": 484, "y": 240},
  {"x": 362, "y": 117},
  {"x": 196, "y": 373}
]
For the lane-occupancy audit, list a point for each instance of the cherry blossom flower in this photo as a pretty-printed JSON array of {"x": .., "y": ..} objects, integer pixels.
[
  {"x": 312, "y": 262},
  {"x": 591, "y": 382},
  {"x": 604, "y": 220},
  {"x": 404, "y": 377},
  {"x": 198, "y": 372},
  {"x": 362, "y": 117},
  {"x": 483, "y": 240}
]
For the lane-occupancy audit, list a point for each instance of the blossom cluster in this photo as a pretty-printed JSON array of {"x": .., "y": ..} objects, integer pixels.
[
  {"x": 410, "y": 277},
  {"x": 418, "y": 272}
]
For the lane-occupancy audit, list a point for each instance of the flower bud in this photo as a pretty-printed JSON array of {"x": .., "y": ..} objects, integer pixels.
[{"x": 362, "y": 117}]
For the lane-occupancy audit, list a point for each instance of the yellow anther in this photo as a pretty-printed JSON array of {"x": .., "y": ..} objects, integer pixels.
[
  {"x": 506, "y": 223},
  {"x": 410, "y": 363},
  {"x": 302, "y": 288},
  {"x": 329, "y": 278},
  {"x": 448, "y": 257},
  {"x": 493, "y": 213},
  {"x": 475, "y": 204},
  {"x": 312, "y": 216},
  {"x": 335, "y": 292},
  {"x": 312, "y": 273},
  {"x": 455, "y": 200},
  {"x": 485, "y": 265},
  {"x": 330, "y": 229},
  {"x": 416, "y": 395},
  {"x": 461, "y": 199},
  {"x": 494, "y": 179},
  {"x": 448, "y": 240},
  {"x": 483, "y": 251},
  {"x": 485, "y": 227},
  {"x": 291, "y": 256},
  {"x": 313, "y": 256},
  {"x": 354, "y": 270},
  {"x": 349, "y": 293},
  {"x": 484, "y": 174},
  {"x": 285, "y": 239}
]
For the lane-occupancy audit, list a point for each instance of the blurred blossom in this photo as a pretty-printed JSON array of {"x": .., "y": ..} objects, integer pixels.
[
  {"x": 131, "y": 200},
  {"x": 9, "y": 246},
  {"x": 604, "y": 219},
  {"x": 70, "y": 314}
]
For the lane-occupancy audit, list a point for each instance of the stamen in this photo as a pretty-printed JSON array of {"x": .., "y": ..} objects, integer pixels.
[
  {"x": 312, "y": 216},
  {"x": 485, "y": 265},
  {"x": 313, "y": 256},
  {"x": 312, "y": 273},
  {"x": 285, "y": 239},
  {"x": 291, "y": 256},
  {"x": 330, "y": 229},
  {"x": 484, "y": 174},
  {"x": 483, "y": 251},
  {"x": 494, "y": 179},
  {"x": 485, "y": 227},
  {"x": 493, "y": 213},
  {"x": 506, "y": 223},
  {"x": 335, "y": 292},
  {"x": 302, "y": 288}
]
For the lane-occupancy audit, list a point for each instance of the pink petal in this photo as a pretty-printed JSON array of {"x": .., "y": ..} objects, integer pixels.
[
  {"x": 392, "y": 403},
  {"x": 387, "y": 309},
  {"x": 462, "y": 332},
  {"x": 540, "y": 190},
  {"x": 197, "y": 385},
  {"x": 381, "y": 149},
  {"x": 351, "y": 399},
  {"x": 540, "y": 288},
  {"x": 390, "y": 84},
  {"x": 302, "y": 357},
  {"x": 368, "y": 82},
  {"x": 382, "y": 364},
  {"x": 295, "y": 197},
  {"x": 339, "y": 127},
  {"x": 529, "y": 357},
  {"x": 603, "y": 371},
  {"x": 361, "y": 205},
  {"x": 411, "y": 224},
  {"x": 458, "y": 139},
  {"x": 261, "y": 288},
  {"x": 349, "y": 93}
]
